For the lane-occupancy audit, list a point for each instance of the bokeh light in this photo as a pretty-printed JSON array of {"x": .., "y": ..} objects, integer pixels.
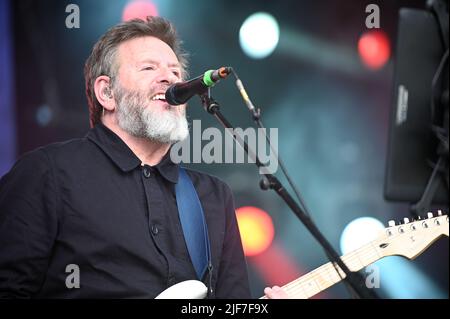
[
  {"x": 139, "y": 9},
  {"x": 358, "y": 232},
  {"x": 256, "y": 228},
  {"x": 259, "y": 35},
  {"x": 374, "y": 49}
]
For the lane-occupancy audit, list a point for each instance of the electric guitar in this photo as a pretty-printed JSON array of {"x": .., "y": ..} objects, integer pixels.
[{"x": 409, "y": 239}]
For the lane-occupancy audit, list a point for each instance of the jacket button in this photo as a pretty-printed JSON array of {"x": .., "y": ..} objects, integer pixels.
[{"x": 155, "y": 230}]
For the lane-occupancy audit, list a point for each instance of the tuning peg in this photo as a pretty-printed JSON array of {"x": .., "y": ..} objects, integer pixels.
[
  {"x": 439, "y": 212},
  {"x": 429, "y": 215},
  {"x": 391, "y": 223},
  {"x": 405, "y": 220}
]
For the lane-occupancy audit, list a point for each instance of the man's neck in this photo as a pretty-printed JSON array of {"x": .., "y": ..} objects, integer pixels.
[{"x": 148, "y": 151}]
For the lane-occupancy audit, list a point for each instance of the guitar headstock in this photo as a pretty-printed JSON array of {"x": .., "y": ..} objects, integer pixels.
[{"x": 411, "y": 238}]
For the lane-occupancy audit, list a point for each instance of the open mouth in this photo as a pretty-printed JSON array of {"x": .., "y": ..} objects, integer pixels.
[{"x": 159, "y": 97}]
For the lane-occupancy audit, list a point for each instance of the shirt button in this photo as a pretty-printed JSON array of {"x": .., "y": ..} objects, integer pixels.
[
  {"x": 155, "y": 230},
  {"x": 147, "y": 172}
]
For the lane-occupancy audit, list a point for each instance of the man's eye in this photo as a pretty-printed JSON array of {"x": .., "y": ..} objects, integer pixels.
[
  {"x": 149, "y": 68},
  {"x": 176, "y": 73}
]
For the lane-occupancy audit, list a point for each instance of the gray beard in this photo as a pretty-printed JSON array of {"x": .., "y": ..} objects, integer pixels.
[{"x": 146, "y": 122}]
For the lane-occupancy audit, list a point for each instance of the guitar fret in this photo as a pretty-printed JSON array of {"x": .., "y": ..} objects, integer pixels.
[
  {"x": 311, "y": 288},
  {"x": 320, "y": 279},
  {"x": 300, "y": 286},
  {"x": 369, "y": 254},
  {"x": 328, "y": 276},
  {"x": 322, "y": 282},
  {"x": 295, "y": 289},
  {"x": 332, "y": 274},
  {"x": 352, "y": 261}
]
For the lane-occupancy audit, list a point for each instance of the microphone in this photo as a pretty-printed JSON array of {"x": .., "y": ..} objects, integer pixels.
[{"x": 180, "y": 92}]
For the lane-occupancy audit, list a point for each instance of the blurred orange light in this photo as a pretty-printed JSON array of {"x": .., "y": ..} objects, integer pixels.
[
  {"x": 374, "y": 49},
  {"x": 139, "y": 9},
  {"x": 256, "y": 228}
]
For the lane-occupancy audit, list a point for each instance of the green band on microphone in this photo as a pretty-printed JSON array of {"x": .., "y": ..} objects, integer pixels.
[{"x": 207, "y": 78}]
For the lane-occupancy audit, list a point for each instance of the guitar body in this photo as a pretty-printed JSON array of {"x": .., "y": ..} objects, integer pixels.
[{"x": 189, "y": 289}]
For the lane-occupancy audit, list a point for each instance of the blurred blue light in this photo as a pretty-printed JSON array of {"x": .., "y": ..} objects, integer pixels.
[
  {"x": 44, "y": 115},
  {"x": 259, "y": 35},
  {"x": 359, "y": 232},
  {"x": 401, "y": 280}
]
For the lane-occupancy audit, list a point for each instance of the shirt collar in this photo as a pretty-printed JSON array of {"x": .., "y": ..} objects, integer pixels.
[
  {"x": 168, "y": 169},
  {"x": 119, "y": 152}
]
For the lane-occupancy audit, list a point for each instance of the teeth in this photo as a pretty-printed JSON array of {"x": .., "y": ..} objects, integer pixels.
[{"x": 159, "y": 97}]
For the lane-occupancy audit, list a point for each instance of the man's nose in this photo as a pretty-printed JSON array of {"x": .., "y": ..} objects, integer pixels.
[{"x": 167, "y": 76}]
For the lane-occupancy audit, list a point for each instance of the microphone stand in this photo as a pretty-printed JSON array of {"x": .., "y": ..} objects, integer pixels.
[{"x": 269, "y": 181}]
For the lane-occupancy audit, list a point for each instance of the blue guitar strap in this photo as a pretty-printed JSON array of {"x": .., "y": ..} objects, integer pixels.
[{"x": 193, "y": 223}]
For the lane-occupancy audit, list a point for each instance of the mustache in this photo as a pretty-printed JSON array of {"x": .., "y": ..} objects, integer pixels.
[
  {"x": 139, "y": 99},
  {"x": 121, "y": 91}
]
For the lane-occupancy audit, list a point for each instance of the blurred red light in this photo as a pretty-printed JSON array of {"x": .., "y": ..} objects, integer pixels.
[
  {"x": 374, "y": 49},
  {"x": 139, "y": 9}
]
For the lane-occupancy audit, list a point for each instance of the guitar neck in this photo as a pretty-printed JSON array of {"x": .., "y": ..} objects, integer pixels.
[
  {"x": 327, "y": 275},
  {"x": 409, "y": 239}
]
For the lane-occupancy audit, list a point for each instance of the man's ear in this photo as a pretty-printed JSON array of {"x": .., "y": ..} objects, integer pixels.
[{"x": 103, "y": 92}]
